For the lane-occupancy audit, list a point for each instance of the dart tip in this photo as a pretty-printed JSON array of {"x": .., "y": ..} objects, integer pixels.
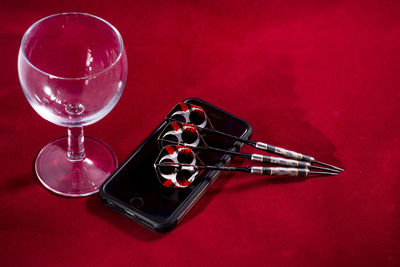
[
  {"x": 328, "y": 165},
  {"x": 324, "y": 173},
  {"x": 325, "y": 169}
]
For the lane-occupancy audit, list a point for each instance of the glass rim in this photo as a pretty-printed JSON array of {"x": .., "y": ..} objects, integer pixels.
[{"x": 72, "y": 78}]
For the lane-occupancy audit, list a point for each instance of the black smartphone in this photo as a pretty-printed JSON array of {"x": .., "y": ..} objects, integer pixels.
[{"x": 135, "y": 190}]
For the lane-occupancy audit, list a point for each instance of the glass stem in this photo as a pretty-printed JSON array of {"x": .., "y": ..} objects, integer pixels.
[{"x": 76, "y": 148}]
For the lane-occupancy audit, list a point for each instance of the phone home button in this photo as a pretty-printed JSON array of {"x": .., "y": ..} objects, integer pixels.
[{"x": 136, "y": 202}]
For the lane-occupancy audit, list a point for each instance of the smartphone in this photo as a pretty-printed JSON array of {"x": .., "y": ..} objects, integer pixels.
[{"x": 135, "y": 190}]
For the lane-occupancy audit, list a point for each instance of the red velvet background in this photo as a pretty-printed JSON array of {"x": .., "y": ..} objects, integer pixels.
[{"x": 319, "y": 77}]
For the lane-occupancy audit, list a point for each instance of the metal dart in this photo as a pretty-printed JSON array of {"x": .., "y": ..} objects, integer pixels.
[
  {"x": 188, "y": 113},
  {"x": 179, "y": 166},
  {"x": 177, "y": 133}
]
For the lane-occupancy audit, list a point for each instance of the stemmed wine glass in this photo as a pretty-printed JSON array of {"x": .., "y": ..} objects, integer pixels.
[{"x": 73, "y": 68}]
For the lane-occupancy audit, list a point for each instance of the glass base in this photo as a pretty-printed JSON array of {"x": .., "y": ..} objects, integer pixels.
[{"x": 74, "y": 178}]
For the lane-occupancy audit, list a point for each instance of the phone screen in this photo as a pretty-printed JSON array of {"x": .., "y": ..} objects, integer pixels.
[{"x": 136, "y": 184}]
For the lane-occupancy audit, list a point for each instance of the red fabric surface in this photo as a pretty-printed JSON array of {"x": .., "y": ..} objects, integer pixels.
[{"x": 318, "y": 77}]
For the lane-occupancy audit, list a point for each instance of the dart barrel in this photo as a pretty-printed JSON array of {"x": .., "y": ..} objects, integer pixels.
[
  {"x": 283, "y": 152},
  {"x": 280, "y": 161},
  {"x": 279, "y": 171}
]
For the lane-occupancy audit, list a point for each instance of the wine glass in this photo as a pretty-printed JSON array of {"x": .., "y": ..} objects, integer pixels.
[{"x": 73, "y": 68}]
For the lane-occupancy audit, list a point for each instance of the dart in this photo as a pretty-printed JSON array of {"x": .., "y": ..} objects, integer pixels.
[
  {"x": 195, "y": 115},
  {"x": 177, "y": 133},
  {"x": 179, "y": 166}
]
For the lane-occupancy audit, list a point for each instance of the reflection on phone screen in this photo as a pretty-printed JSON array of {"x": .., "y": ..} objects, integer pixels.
[{"x": 137, "y": 184}]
